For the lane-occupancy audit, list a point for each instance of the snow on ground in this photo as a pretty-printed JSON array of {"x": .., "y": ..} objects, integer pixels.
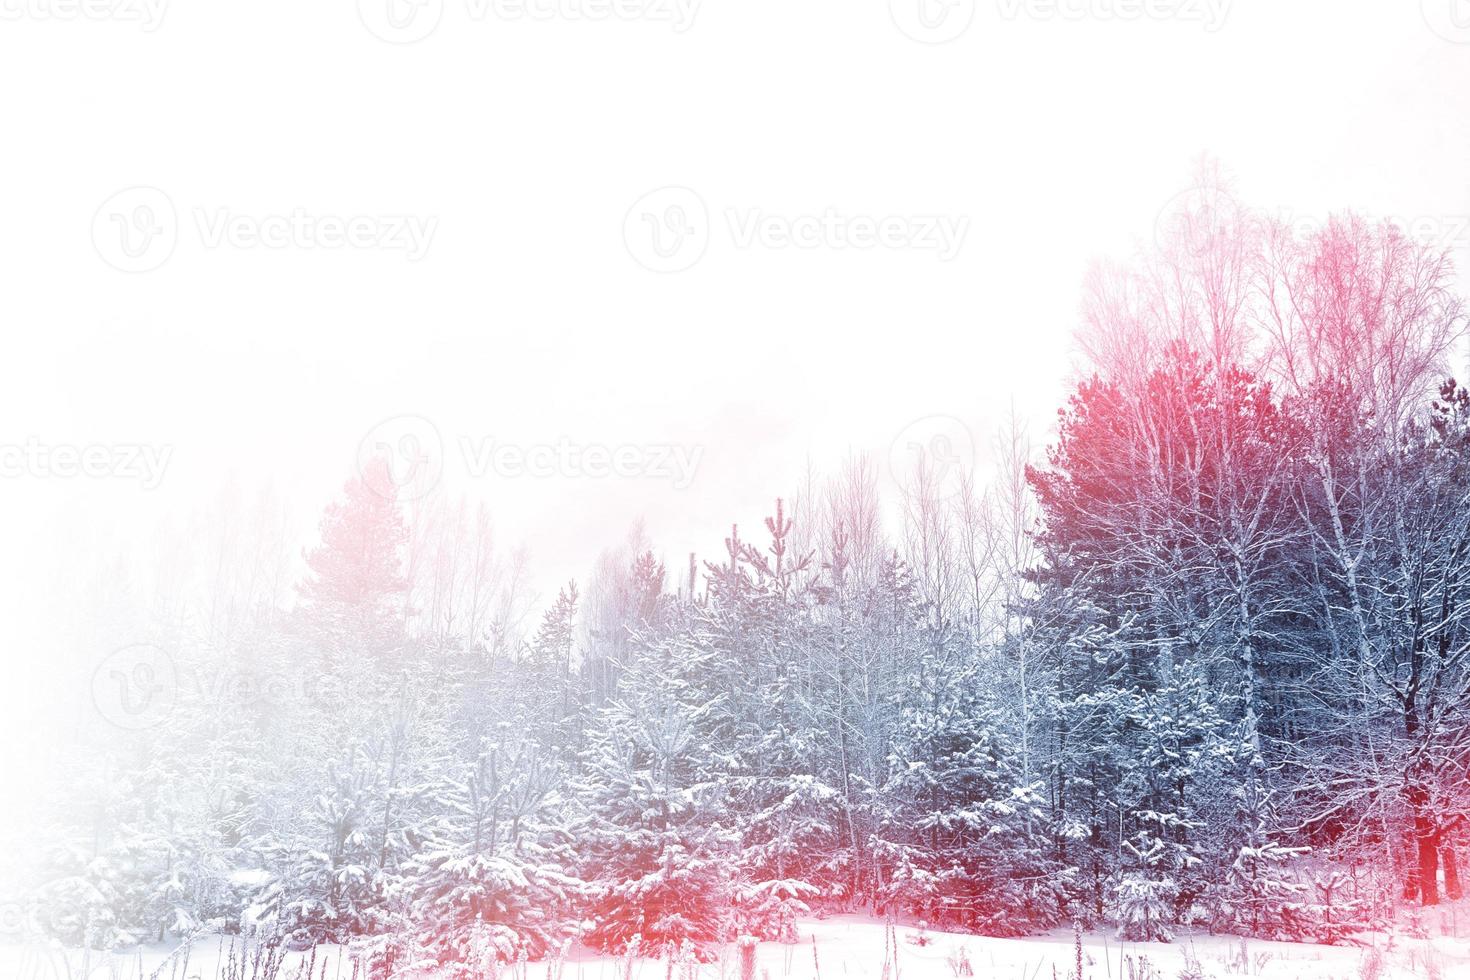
[{"x": 852, "y": 947}]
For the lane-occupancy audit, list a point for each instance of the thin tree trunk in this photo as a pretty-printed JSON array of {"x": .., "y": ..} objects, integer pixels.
[
  {"x": 1428, "y": 871},
  {"x": 1452, "y": 888},
  {"x": 1426, "y": 844}
]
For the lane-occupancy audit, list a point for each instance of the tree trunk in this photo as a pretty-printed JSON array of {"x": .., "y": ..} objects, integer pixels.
[
  {"x": 1428, "y": 844},
  {"x": 1452, "y": 888}
]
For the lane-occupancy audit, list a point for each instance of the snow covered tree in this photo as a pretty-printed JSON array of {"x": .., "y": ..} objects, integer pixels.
[
  {"x": 755, "y": 627},
  {"x": 356, "y": 583},
  {"x": 493, "y": 872},
  {"x": 769, "y": 908},
  {"x": 964, "y": 839},
  {"x": 327, "y": 884},
  {"x": 656, "y": 845},
  {"x": 543, "y": 694},
  {"x": 1261, "y": 895},
  {"x": 1147, "y": 891}
]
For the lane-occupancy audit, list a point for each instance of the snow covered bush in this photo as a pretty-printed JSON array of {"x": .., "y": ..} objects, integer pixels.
[
  {"x": 964, "y": 839},
  {"x": 1147, "y": 892},
  {"x": 491, "y": 877},
  {"x": 654, "y": 846},
  {"x": 769, "y": 909}
]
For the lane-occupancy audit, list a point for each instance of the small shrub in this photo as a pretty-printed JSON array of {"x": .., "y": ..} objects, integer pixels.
[
  {"x": 747, "y": 957},
  {"x": 958, "y": 960},
  {"x": 1139, "y": 968},
  {"x": 1372, "y": 966}
]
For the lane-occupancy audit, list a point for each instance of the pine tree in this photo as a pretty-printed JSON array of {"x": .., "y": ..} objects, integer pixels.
[
  {"x": 1260, "y": 893},
  {"x": 327, "y": 884},
  {"x": 1147, "y": 891},
  {"x": 964, "y": 836},
  {"x": 543, "y": 695},
  {"x": 756, "y": 626},
  {"x": 655, "y": 844},
  {"x": 493, "y": 871},
  {"x": 356, "y": 584}
]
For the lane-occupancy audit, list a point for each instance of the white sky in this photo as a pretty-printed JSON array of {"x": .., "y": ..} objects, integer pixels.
[{"x": 528, "y": 319}]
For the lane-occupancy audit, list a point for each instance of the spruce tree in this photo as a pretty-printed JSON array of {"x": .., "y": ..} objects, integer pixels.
[{"x": 656, "y": 844}]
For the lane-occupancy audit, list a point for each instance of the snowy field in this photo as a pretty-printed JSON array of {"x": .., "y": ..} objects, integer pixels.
[{"x": 853, "y": 946}]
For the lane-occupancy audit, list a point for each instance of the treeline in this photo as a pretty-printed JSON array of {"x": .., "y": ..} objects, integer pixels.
[{"x": 1203, "y": 665}]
